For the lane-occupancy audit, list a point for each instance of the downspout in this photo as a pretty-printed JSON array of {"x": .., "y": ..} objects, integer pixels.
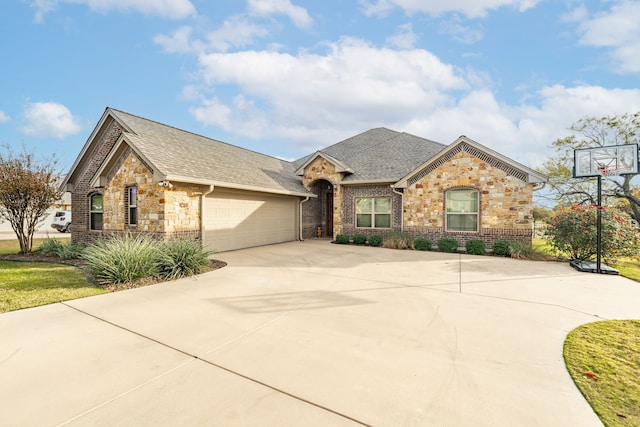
[
  {"x": 205, "y": 194},
  {"x": 300, "y": 220},
  {"x": 401, "y": 206}
]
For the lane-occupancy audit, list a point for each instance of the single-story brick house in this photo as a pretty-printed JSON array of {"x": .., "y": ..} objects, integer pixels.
[{"x": 137, "y": 175}]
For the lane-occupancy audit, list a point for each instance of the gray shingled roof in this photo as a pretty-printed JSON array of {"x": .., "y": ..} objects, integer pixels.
[
  {"x": 380, "y": 154},
  {"x": 176, "y": 152}
]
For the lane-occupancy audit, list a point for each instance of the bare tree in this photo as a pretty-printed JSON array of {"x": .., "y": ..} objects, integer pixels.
[
  {"x": 593, "y": 132},
  {"x": 28, "y": 187}
]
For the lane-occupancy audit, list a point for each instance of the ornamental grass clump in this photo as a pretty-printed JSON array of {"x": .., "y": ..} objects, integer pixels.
[
  {"x": 573, "y": 232},
  {"x": 70, "y": 250},
  {"x": 123, "y": 259},
  {"x": 398, "y": 240},
  {"x": 49, "y": 247},
  {"x": 182, "y": 258}
]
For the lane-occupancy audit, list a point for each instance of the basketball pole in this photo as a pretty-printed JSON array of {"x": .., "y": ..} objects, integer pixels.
[{"x": 599, "y": 227}]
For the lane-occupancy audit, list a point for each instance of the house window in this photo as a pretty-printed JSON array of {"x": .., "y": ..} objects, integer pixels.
[
  {"x": 132, "y": 205},
  {"x": 462, "y": 210},
  {"x": 95, "y": 212},
  {"x": 373, "y": 212}
]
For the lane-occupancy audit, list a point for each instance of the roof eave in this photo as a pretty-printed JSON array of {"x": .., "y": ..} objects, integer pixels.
[
  {"x": 215, "y": 183},
  {"x": 340, "y": 167}
]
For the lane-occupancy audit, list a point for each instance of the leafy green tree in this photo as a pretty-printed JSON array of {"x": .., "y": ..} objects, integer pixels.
[
  {"x": 573, "y": 231},
  {"x": 28, "y": 187},
  {"x": 594, "y": 132}
]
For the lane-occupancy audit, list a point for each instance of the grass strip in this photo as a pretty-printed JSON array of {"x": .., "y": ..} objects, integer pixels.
[{"x": 603, "y": 358}]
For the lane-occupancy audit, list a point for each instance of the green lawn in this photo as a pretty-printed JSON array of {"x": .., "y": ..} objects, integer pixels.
[
  {"x": 603, "y": 358},
  {"x": 628, "y": 267},
  {"x": 30, "y": 284}
]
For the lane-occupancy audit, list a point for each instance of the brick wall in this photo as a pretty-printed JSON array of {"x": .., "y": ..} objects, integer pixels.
[
  {"x": 80, "y": 196},
  {"x": 348, "y": 208}
]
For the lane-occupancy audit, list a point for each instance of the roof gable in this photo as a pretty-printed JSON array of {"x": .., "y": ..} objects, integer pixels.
[
  {"x": 178, "y": 155},
  {"x": 340, "y": 167},
  {"x": 467, "y": 145},
  {"x": 377, "y": 155}
]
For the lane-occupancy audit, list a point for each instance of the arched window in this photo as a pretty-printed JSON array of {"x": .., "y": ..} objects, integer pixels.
[
  {"x": 95, "y": 211},
  {"x": 462, "y": 210}
]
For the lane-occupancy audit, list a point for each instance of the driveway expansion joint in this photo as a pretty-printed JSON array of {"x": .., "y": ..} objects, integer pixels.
[{"x": 195, "y": 357}]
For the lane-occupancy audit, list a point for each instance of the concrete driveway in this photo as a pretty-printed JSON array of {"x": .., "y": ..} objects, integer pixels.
[{"x": 314, "y": 334}]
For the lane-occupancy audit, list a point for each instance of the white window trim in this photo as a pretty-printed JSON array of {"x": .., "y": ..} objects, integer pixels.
[
  {"x": 477, "y": 212},
  {"x": 373, "y": 213},
  {"x": 129, "y": 206}
]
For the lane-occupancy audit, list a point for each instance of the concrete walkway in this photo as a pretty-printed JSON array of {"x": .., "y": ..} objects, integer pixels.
[{"x": 314, "y": 334}]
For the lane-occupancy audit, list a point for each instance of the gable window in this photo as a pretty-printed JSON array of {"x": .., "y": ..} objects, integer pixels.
[
  {"x": 462, "y": 210},
  {"x": 373, "y": 212},
  {"x": 95, "y": 212},
  {"x": 132, "y": 205}
]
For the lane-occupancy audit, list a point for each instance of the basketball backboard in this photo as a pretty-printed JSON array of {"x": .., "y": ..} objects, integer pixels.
[{"x": 605, "y": 161}]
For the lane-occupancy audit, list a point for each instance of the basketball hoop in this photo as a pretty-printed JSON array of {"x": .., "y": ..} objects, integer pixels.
[{"x": 607, "y": 167}]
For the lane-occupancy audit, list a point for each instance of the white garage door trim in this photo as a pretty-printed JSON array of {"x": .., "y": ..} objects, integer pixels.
[{"x": 244, "y": 219}]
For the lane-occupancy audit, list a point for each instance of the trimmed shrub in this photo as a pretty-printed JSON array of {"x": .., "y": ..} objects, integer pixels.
[
  {"x": 70, "y": 250},
  {"x": 123, "y": 259},
  {"x": 342, "y": 239},
  {"x": 49, "y": 247},
  {"x": 375, "y": 240},
  {"x": 359, "y": 239},
  {"x": 502, "y": 248},
  {"x": 398, "y": 240},
  {"x": 182, "y": 258},
  {"x": 448, "y": 245},
  {"x": 421, "y": 244},
  {"x": 475, "y": 247}
]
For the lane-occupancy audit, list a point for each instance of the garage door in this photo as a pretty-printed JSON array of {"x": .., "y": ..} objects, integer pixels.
[{"x": 235, "y": 220}]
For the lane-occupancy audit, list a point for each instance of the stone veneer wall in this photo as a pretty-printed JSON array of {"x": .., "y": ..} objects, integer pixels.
[
  {"x": 165, "y": 212},
  {"x": 348, "y": 208},
  {"x": 506, "y": 202},
  {"x": 321, "y": 169},
  {"x": 80, "y": 195}
]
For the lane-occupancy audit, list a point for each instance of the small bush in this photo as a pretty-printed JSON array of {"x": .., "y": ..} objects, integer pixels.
[
  {"x": 123, "y": 259},
  {"x": 421, "y": 244},
  {"x": 398, "y": 240},
  {"x": 70, "y": 250},
  {"x": 475, "y": 247},
  {"x": 448, "y": 245},
  {"x": 49, "y": 247},
  {"x": 182, "y": 258},
  {"x": 502, "y": 248},
  {"x": 375, "y": 240},
  {"x": 359, "y": 239},
  {"x": 342, "y": 239}
]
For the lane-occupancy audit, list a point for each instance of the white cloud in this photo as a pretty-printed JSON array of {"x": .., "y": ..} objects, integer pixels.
[
  {"x": 316, "y": 99},
  {"x": 459, "y": 32},
  {"x": 172, "y": 9},
  {"x": 618, "y": 30},
  {"x": 353, "y": 86},
  {"x": 49, "y": 120},
  {"x": 3, "y": 117},
  {"x": 404, "y": 38},
  {"x": 298, "y": 15},
  {"x": 469, "y": 8},
  {"x": 235, "y": 32}
]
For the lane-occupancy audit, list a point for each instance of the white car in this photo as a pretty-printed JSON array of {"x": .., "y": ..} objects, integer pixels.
[{"x": 62, "y": 221}]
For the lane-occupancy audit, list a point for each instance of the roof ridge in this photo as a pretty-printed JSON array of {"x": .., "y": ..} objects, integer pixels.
[{"x": 197, "y": 134}]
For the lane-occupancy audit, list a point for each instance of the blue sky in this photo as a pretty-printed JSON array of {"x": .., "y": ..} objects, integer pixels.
[{"x": 287, "y": 77}]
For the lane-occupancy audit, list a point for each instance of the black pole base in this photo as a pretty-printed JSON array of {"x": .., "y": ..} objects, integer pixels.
[{"x": 592, "y": 267}]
